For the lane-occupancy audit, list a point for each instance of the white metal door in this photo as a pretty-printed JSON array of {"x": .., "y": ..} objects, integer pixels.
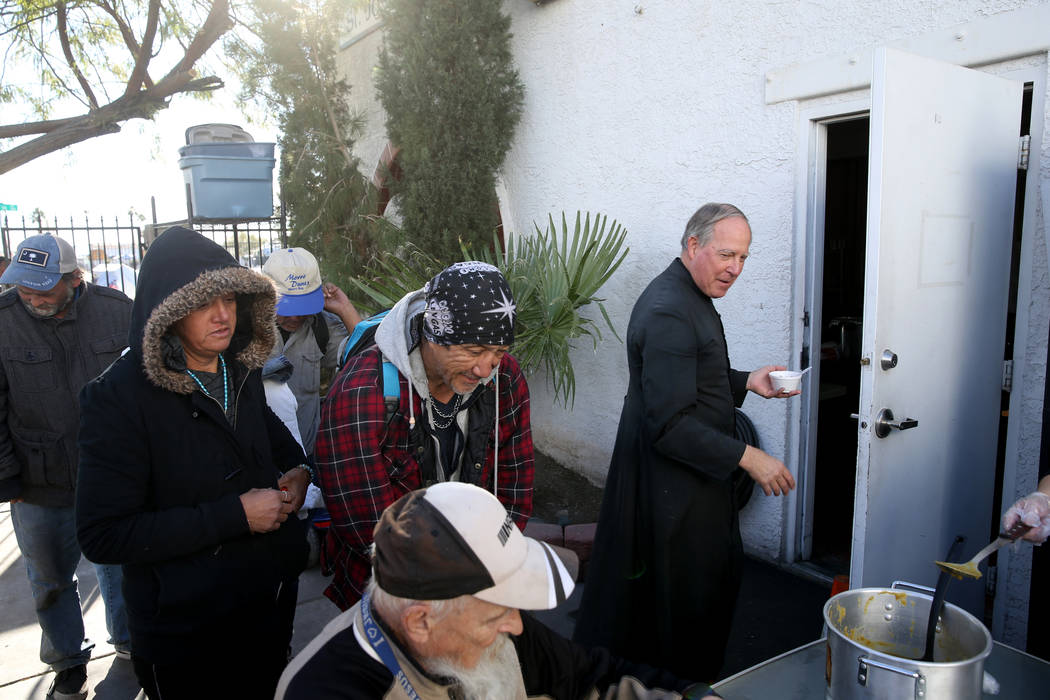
[{"x": 943, "y": 169}]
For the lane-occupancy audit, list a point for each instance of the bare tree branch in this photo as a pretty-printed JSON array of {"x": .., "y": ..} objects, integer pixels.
[
  {"x": 42, "y": 127},
  {"x": 63, "y": 37},
  {"x": 142, "y": 98},
  {"x": 104, "y": 120},
  {"x": 217, "y": 24},
  {"x": 125, "y": 30},
  {"x": 143, "y": 53}
]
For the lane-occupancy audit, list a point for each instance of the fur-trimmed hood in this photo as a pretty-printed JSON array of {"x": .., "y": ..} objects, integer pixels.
[{"x": 181, "y": 271}]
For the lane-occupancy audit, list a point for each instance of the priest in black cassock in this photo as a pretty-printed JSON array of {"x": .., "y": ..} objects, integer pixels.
[{"x": 663, "y": 580}]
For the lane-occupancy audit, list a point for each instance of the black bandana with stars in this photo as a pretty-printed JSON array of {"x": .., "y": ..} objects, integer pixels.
[{"x": 469, "y": 303}]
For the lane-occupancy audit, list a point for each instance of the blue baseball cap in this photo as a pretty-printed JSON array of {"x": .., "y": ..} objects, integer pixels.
[{"x": 40, "y": 262}]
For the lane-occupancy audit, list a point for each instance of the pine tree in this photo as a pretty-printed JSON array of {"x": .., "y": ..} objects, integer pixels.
[
  {"x": 453, "y": 98},
  {"x": 292, "y": 69}
]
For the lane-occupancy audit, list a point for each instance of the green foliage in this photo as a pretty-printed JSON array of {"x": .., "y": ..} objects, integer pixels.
[
  {"x": 100, "y": 35},
  {"x": 553, "y": 276},
  {"x": 452, "y": 98},
  {"x": 292, "y": 69},
  {"x": 96, "y": 60}
]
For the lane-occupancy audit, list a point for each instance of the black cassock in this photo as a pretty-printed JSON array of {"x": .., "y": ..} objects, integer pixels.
[{"x": 665, "y": 572}]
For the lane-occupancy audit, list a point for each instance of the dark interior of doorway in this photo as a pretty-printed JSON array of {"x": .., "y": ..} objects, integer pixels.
[{"x": 842, "y": 298}]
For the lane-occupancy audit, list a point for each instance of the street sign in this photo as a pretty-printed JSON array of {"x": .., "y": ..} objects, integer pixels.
[{"x": 8, "y": 207}]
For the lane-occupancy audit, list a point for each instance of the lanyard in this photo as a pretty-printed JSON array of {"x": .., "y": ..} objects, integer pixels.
[{"x": 382, "y": 647}]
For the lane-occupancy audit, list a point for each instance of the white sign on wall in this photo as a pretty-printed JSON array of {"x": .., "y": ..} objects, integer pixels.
[{"x": 363, "y": 19}]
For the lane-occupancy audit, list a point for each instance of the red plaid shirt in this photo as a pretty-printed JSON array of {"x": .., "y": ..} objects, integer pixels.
[{"x": 364, "y": 465}]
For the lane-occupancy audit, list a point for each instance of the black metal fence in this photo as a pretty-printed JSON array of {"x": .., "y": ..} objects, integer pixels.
[{"x": 110, "y": 253}]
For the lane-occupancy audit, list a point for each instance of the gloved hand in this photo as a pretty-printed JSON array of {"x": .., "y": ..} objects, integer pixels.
[{"x": 1034, "y": 510}]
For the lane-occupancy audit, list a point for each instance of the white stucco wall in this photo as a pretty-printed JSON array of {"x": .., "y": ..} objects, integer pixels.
[
  {"x": 357, "y": 63},
  {"x": 645, "y": 110}
]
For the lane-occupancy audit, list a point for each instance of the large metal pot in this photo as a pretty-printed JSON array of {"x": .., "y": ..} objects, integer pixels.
[{"x": 876, "y": 638}]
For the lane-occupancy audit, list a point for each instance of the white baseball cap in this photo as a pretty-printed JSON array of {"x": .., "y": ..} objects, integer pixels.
[
  {"x": 454, "y": 539},
  {"x": 298, "y": 280}
]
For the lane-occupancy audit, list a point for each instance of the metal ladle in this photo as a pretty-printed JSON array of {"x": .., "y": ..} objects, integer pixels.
[{"x": 969, "y": 568}]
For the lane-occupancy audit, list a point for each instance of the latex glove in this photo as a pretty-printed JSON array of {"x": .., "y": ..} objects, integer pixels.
[{"x": 1034, "y": 510}]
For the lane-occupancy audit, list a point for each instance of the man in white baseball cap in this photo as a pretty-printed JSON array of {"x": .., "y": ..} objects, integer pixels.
[
  {"x": 313, "y": 318},
  {"x": 441, "y": 616}
]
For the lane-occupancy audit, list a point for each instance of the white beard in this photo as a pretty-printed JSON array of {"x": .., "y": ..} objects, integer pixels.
[
  {"x": 49, "y": 310},
  {"x": 497, "y": 675}
]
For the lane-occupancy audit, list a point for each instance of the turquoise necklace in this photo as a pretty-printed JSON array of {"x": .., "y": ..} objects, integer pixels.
[{"x": 225, "y": 389}]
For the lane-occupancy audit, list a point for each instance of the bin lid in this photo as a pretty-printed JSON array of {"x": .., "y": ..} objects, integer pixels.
[{"x": 217, "y": 133}]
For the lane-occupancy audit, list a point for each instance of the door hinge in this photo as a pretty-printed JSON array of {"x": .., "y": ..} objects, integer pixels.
[
  {"x": 1023, "y": 149},
  {"x": 1008, "y": 375}
]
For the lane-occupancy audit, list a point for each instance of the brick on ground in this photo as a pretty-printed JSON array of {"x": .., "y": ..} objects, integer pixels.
[
  {"x": 580, "y": 539},
  {"x": 545, "y": 532}
]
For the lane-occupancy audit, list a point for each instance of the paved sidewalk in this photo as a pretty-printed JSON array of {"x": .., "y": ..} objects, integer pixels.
[{"x": 23, "y": 676}]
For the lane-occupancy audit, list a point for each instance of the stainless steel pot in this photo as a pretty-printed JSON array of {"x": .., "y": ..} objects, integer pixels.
[{"x": 876, "y": 637}]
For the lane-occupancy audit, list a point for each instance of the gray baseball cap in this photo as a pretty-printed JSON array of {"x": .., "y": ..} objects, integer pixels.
[{"x": 40, "y": 262}]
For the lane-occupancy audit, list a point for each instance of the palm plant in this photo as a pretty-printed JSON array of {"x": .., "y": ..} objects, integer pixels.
[{"x": 552, "y": 274}]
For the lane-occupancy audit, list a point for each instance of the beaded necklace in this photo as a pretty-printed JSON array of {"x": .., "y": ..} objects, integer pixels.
[{"x": 225, "y": 389}]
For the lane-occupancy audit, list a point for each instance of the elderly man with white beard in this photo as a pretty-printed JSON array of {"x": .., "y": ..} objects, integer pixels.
[{"x": 440, "y": 617}]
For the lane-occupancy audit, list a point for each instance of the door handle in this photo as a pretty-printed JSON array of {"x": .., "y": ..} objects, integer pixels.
[{"x": 884, "y": 423}]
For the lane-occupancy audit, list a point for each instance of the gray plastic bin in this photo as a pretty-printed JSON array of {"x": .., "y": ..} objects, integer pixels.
[{"x": 229, "y": 180}]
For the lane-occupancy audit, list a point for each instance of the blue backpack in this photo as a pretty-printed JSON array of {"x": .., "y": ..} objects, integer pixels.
[{"x": 363, "y": 337}]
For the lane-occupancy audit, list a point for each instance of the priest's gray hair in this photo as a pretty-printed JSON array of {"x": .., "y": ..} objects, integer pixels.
[{"x": 702, "y": 224}]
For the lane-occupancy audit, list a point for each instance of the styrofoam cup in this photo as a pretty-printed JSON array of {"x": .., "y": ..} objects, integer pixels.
[{"x": 786, "y": 380}]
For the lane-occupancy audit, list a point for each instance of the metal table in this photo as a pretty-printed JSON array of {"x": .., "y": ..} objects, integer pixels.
[{"x": 799, "y": 675}]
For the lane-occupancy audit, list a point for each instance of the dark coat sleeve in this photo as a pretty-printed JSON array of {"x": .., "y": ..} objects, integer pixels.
[
  {"x": 556, "y": 667},
  {"x": 10, "y": 471},
  {"x": 116, "y": 521},
  {"x": 683, "y": 366}
]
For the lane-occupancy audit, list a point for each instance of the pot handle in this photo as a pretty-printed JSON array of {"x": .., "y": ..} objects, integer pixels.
[
  {"x": 906, "y": 584},
  {"x": 864, "y": 665}
]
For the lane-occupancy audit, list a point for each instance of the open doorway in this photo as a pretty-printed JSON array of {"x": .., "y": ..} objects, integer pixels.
[
  {"x": 841, "y": 304},
  {"x": 842, "y": 298}
]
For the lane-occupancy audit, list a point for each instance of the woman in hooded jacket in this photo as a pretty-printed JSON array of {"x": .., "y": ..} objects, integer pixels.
[{"x": 189, "y": 481}]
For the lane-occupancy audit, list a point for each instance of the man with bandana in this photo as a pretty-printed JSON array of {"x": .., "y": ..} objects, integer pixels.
[
  {"x": 462, "y": 414},
  {"x": 60, "y": 332}
]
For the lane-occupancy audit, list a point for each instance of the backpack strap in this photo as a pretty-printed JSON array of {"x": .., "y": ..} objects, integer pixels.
[
  {"x": 391, "y": 388},
  {"x": 321, "y": 332},
  {"x": 361, "y": 337}
]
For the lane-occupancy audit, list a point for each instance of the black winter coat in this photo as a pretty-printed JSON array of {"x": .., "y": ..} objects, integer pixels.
[
  {"x": 44, "y": 363},
  {"x": 663, "y": 579},
  {"x": 162, "y": 469}
]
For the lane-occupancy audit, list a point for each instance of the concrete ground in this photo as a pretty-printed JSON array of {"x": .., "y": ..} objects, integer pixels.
[{"x": 23, "y": 676}]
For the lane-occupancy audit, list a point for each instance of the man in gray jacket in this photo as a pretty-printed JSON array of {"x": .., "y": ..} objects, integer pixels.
[
  {"x": 59, "y": 332},
  {"x": 313, "y": 319}
]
